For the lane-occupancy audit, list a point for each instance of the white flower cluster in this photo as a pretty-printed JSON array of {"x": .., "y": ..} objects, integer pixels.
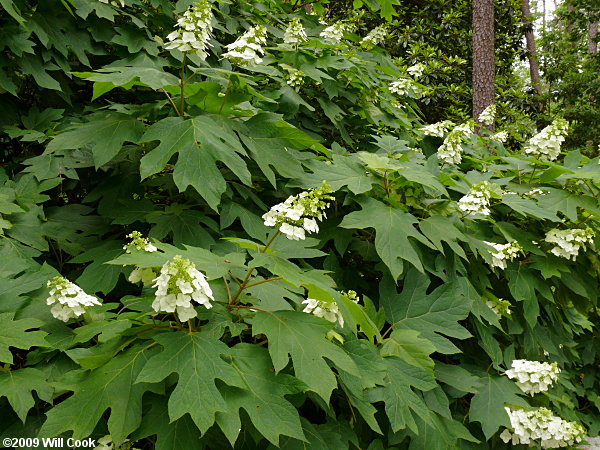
[
  {"x": 193, "y": 30},
  {"x": 326, "y": 310},
  {"x": 297, "y": 213},
  {"x": 106, "y": 443},
  {"x": 488, "y": 115},
  {"x": 499, "y": 306},
  {"x": 376, "y": 36},
  {"x": 177, "y": 285},
  {"x": 294, "y": 33},
  {"x": 437, "y": 129},
  {"x": 247, "y": 49},
  {"x": 451, "y": 149},
  {"x": 504, "y": 252},
  {"x": 295, "y": 79},
  {"x": 568, "y": 242},
  {"x": 477, "y": 200},
  {"x": 500, "y": 136},
  {"x": 552, "y": 431},
  {"x": 70, "y": 299},
  {"x": 533, "y": 376},
  {"x": 139, "y": 243},
  {"x": 403, "y": 86},
  {"x": 546, "y": 144},
  {"x": 333, "y": 34},
  {"x": 416, "y": 70}
]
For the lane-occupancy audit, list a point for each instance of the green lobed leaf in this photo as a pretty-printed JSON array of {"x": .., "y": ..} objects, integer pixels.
[{"x": 13, "y": 333}]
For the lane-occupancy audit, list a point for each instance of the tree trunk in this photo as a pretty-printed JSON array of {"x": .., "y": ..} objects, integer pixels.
[
  {"x": 484, "y": 64},
  {"x": 534, "y": 69},
  {"x": 592, "y": 33}
]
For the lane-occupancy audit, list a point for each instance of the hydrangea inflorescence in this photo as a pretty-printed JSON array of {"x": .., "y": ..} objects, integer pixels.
[
  {"x": 143, "y": 274},
  {"x": 376, "y": 36},
  {"x": 546, "y": 144},
  {"x": 297, "y": 214},
  {"x": 177, "y": 285},
  {"x": 533, "y": 376},
  {"x": 294, "y": 33},
  {"x": 488, "y": 115},
  {"x": 328, "y": 310},
  {"x": 504, "y": 252},
  {"x": 477, "y": 200},
  {"x": 499, "y": 306},
  {"x": 451, "y": 149},
  {"x": 247, "y": 49},
  {"x": 193, "y": 30},
  {"x": 551, "y": 430},
  {"x": 333, "y": 34},
  {"x": 69, "y": 300},
  {"x": 437, "y": 129},
  {"x": 568, "y": 242}
]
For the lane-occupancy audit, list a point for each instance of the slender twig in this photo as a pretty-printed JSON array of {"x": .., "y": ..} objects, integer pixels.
[
  {"x": 225, "y": 96},
  {"x": 190, "y": 325},
  {"x": 234, "y": 278},
  {"x": 243, "y": 284},
  {"x": 247, "y": 307},
  {"x": 228, "y": 291},
  {"x": 172, "y": 102},
  {"x": 264, "y": 281}
]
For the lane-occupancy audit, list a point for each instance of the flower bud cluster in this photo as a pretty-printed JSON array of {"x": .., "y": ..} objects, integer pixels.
[
  {"x": 438, "y": 129},
  {"x": 499, "y": 306},
  {"x": 297, "y": 213},
  {"x": 546, "y": 144},
  {"x": 477, "y": 200},
  {"x": 533, "y": 376},
  {"x": 568, "y": 242},
  {"x": 552, "y": 431},
  {"x": 376, "y": 36},
  {"x": 416, "y": 71},
  {"x": 295, "y": 79},
  {"x": 504, "y": 252},
  {"x": 451, "y": 149},
  {"x": 326, "y": 310},
  {"x": 333, "y": 34},
  {"x": 488, "y": 115},
  {"x": 294, "y": 33},
  {"x": 247, "y": 49},
  {"x": 139, "y": 243},
  {"x": 70, "y": 299},
  {"x": 193, "y": 30},
  {"x": 177, "y": 285},
  {"x": 143, "y": 274}
]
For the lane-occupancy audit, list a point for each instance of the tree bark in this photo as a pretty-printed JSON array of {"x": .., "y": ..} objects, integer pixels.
[
  {"x": 592, "y": 34},
  {"x": 484, "y": 64},
  {"x": 534, "y": 69}
]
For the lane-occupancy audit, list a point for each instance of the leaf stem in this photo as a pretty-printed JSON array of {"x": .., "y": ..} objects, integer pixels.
[
  {"x": 225, "y": 96},
  {"x": 264, "y": 281},
  {"x": 172, "y": 102}
]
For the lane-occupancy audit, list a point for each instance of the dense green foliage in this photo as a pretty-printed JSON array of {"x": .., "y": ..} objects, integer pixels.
[{"x": 105, "y": 133}]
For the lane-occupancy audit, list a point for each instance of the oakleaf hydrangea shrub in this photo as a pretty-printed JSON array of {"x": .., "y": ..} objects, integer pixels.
[{"x": 252, "y": 238}]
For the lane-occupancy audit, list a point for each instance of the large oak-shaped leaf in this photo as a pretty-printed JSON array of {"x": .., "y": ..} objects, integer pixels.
[
  {"x": 302, "y": 336},
  {"x": 108, "y": 387},
  {"x": 393, "y": 229},
  {"x": 199, "y": 142},
  {"x": 262, "y": 398},
  {"x": 197, "y": 361},
  {"x": 434, "y": 315}
]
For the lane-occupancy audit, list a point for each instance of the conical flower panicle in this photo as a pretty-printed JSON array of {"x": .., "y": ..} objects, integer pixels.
[
  {"x": 177, "y": 285},
  {"x": 247, "y": 49},
  {"x": 69, "y": 300},
  {"x": 194, "y": 30}
]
